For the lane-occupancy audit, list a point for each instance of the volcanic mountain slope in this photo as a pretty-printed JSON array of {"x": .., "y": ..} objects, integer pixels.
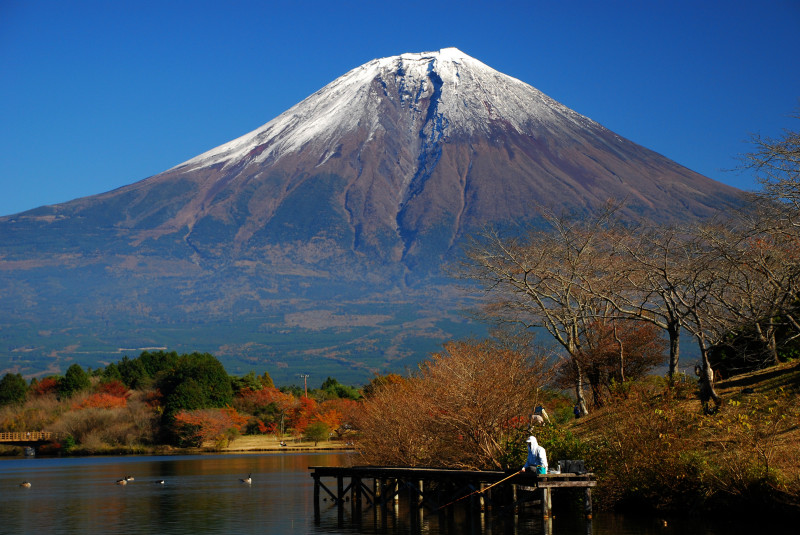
[{"x": 328, "y": 211}]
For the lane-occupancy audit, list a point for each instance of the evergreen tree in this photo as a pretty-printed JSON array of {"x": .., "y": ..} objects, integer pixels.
[
  {"x": 13, "y": 389},
  {"x": 75, "y": 380},
  {"x": 198, "y": 381}
]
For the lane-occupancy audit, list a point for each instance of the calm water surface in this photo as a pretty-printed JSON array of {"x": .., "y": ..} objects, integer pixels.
[{"x": 203, "y": 494}]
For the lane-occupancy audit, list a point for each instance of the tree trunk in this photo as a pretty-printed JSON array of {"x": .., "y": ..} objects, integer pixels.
[
  {"x": 674, "y": 332},
  {"x": 621, "y": 355},
  {"x": 580, "y": 398},
  {"x": 767, "y": 337},
  {"x": 706, "y": 383}
]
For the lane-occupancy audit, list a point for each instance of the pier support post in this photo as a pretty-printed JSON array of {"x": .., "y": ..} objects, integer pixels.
[
  {"x": 340, "y": 500},
  {"x": 514, "y": 498},
  {"x": 587, "y": 503},
  {"x": 357, "y": 494},
  {"x": 316, "y": 499},
  {"x": 547, "y": 504},
  {"x": 382, "y": 483}
]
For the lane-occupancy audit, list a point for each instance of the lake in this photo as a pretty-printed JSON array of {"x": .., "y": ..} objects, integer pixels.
[{"x": 204, "y": 494}]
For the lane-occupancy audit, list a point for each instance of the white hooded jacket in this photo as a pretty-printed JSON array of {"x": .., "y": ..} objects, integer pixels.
[{"x": 536, "y": 454}]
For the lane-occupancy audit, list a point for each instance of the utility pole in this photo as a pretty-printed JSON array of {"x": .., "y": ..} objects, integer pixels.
[{"x": 305, "y": 381}]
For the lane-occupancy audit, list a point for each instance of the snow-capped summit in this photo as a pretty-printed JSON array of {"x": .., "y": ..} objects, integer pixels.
[{"x": 453, "y": 93}]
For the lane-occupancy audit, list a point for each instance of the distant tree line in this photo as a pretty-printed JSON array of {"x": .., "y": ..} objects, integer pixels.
[{"x": 166, "y": 397}]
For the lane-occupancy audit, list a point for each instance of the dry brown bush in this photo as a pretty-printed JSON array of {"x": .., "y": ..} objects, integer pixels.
[
  {"x": 461, "y": 409},
  {"x": 36, "y": 414},
  {"x": 97, "y": 428}
]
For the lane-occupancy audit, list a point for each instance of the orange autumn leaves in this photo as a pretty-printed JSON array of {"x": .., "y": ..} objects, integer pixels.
[
  {"x": 265, "y": 410},
  {"x": 109, "y": 395},
  {"x": 209, "y": 425}
]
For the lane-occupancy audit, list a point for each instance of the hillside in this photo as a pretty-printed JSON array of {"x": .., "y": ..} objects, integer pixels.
[{"x": 657, "y": 452}]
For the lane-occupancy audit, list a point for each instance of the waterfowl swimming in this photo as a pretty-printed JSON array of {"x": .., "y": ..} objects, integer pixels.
[
  {"x": 160, "y": 482},
  {"x": 248, "y": 479},
  {"x": 128, "y": 478},
  {"x": 122, "y": 481},
  {"x": 25, "y": 484}
]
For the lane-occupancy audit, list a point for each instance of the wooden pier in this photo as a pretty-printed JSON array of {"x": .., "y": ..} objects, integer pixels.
[
  {"x": 27, "y": 437},
  {"x": 441, "y": 490}
]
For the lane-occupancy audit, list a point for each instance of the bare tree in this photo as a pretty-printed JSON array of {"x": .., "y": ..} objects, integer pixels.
[
  {"x": 615, "y": 351},
  {"x": 650, "y": 278},
  {"x": 548, "y": 278},
  {"x": 760, "y": 271},
  {"x": 761, "y": 245},
  {"x": 703, "y": 299},
  {"x": 776, "y": 162},
  {"x": 673, "y": 278}
]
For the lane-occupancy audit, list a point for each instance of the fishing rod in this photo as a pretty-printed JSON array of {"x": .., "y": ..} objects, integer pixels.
[{"x": 481, "y": 490}]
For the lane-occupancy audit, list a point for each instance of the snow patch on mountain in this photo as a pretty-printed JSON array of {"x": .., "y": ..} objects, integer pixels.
[{"x": 471, "y": 97}]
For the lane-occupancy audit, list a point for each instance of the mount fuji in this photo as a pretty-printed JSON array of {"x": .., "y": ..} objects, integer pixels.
[{"x": 314, "y": 244}]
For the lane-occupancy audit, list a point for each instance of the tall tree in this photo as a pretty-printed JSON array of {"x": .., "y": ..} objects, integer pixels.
[
  {"x": 650, "y": 279},
  {"x": 766, "y": 241},
  {"x": 13, "y": 389},
  {"x": 548, "y": 278},
  {"x": 776, "y": 162},
  {"x": 198, "y": 381},
  {"x": 75, "y": 380},
  {"x": 760, "y": 275},
  {"x": 707, "y": 318}
]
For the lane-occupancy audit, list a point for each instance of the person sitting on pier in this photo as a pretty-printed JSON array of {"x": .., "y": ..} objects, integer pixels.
[{"x": 537, "y": 457}]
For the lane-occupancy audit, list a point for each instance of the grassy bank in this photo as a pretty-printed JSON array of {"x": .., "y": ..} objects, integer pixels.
[
  {"x": 243, "y": 444},
  {"x": 255, "y": 443},
  {"x": 653, "y": 449}
]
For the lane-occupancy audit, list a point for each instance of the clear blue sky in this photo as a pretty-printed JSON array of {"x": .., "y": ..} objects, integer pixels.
[{"x": 98, "y": 94}]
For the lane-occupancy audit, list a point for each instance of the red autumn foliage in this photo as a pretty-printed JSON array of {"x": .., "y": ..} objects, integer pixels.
[
  {"x": 335, "y": 413},
  {"x": 48, "y": 385},
  {"x": 114, "y": 388},
  {"x": 267, "y": 429},
  {"x": 302, "y": 415},
  {"x": 204, "y": 425},
  {"x": 250, "y": 400},
  {"x": 517, "y": 422},
  {"x": 153, "y": 398},
  {"x": 102, "y": 400},
  {"x": 615, "y": 352}
]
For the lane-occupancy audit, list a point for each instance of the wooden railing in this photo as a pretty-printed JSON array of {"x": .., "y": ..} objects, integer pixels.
[{"x": 27, "y": 436}]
